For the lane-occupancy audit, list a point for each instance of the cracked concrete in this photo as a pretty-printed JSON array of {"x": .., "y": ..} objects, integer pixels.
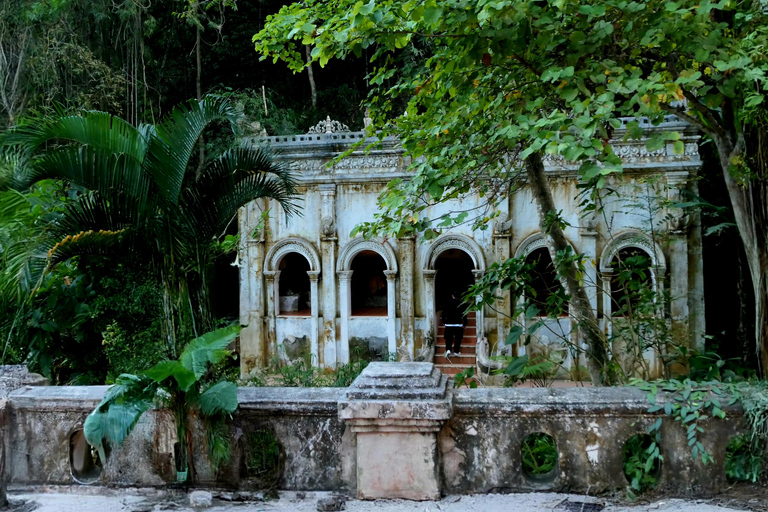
[{"x": 151, "y": 500}]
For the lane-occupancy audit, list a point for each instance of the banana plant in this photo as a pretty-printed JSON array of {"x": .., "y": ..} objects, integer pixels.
[{"x": 178, "y": 385}]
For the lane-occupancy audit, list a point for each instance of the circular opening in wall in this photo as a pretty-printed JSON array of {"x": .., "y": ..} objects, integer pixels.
[
  {"x": 642, "y": 462},
  {"x": 743, "y": 462},
  {"x": 539, "y": 457},
  {"x": 84, "y": 461},
  {"x": 261, "y": 457}
]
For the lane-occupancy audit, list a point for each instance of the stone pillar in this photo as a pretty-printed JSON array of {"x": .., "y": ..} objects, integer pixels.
[
  {"x": 342, "y": 349},
  {"x": 429, "y": 297},
  {"x": 391, "y": 312},
  {"x": 314, "y": 329},
  {"x": 697, "y": 319},
  {"x": 504, "y": 298},
  {"x": 589, "y": 250},
  {"x": 606, "y": 277},
  {"x": 407, "y": 271},
  {"x": 328, "y": 241},
  {"x": 678, "y": 283},
  {"x": 481, "y": 312},
  {"x": 251, "y": 255},
  {"x": 395, "y": 411},
  {"x": 273, "y": 309}
]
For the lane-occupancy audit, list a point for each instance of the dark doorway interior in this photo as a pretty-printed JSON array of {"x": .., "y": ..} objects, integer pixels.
[
  {"x": 454, "y": 273},
  {"x": 544, "y": 282},
  {"x": 294, "y": 285},
  {"x": 369, "y": 285}
]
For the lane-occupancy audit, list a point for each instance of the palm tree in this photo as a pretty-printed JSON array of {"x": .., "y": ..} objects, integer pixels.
[{"x": 141, "y": 198}]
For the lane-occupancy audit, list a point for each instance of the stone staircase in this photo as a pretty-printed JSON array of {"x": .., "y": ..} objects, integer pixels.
[{"x": 455, "y": 364}]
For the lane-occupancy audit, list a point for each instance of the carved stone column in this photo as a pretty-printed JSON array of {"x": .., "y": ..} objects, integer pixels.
[
  {"x": 342, "y": 348},
  {"x": 481, "y": 312},
  {"x": 328, "y": 247},
  {"x": 391, "y": 318},
  {"x": 251, "y": 255},
  {"x": 588, "y": 248},
  {"x": 501, "y": 241},
  {"x": 429, "y": 297},
  {"x": 395, "y": 411},
  {"x": 314, "y": 297},
  {"x": 407, "y": 271},
  {"x": 273, "y": 309},
  {"x": 606, "y": 278},
  {"x": 678, "y": 260}
]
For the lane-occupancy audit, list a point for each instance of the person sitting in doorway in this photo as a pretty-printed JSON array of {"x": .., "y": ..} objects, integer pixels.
[{"x": 455, "y": 319}]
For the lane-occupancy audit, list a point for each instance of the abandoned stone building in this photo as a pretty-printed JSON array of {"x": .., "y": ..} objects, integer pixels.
[{"x": 309, "y": 289}]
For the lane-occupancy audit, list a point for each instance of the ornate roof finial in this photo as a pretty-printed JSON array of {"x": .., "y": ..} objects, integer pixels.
[{"x": 328, "y": 126}]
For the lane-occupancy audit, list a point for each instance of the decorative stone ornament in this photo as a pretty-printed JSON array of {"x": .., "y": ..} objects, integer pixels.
[
  {"x": 396, "y": 410},
  {"x": 329, "y": 126}
]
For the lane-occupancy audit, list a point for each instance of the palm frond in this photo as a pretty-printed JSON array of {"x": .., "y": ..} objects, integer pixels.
[
  {"x": 172, "y": 147},
  {"x": 89, "y": 127},
  {"x": 96, "y": 169},
  {"x": 97, "y": 243},
  {"x": 237, "y": 177}
]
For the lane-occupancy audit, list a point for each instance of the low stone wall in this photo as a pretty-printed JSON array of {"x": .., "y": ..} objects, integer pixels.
[{"x": 478, "y": 432}]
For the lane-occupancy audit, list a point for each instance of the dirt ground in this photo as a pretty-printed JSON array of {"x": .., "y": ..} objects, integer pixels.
[{"x": 96, "y": 499}]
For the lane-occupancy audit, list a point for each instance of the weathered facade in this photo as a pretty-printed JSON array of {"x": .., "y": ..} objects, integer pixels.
[{"x": 310, "y": 289}]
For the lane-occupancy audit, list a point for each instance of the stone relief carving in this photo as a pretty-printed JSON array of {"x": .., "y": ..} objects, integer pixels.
[
  {"x": 328, "y": 227},
  {"x": 461, "y": 242},
  {"x": 357, "y": 245},
  {"x": 503, "y": 224},
  {"x": 287, "y": 245},
  {"x": 632, "y": 239},
  {"x": 531, "y": 244},
  {"x": 328, "y": 126}
]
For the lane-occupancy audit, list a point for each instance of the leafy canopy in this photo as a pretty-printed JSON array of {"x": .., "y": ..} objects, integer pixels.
[{"x": 505, "y": 78}]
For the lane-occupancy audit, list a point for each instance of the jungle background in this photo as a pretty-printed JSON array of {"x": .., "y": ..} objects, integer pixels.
[{"x": 94, "y": 318}]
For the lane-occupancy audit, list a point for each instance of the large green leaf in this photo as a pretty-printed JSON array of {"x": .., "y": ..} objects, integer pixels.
[
  {"x": 166, "y": 369},
  {"x": 114, "y": 424},
  {"x": 219, "y": 398},
  {"x": 208, "y": 349}
]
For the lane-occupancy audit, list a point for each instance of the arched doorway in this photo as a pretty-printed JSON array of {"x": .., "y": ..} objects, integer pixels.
[
  {"x": 294, "y": 286},
  {"x": 454, "y": 274},
  {"x": 368, "y": 289}
]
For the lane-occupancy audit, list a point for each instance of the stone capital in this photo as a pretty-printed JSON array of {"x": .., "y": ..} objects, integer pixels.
[{"x": 345, "y": 275}]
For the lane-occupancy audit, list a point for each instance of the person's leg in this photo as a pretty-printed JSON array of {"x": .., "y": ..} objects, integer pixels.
[
  {"x": 449, "y": 334},
  {"x": 457, "y": 339}
]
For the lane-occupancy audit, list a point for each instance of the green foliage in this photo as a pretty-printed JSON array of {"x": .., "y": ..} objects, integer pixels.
[
  {"x": 539, "y": 454},
  {"x": 138, "y": 195},
  {"x": 263, "y": 456},
  {"x": 176, "y": 384},
  {"x": 642, "y": 462},
  {"x": 466, "y": 378},
  {"x": 302, "y": 374},
  {"x": 743, "y": 461},
  {"x": 689, "y": 403}
]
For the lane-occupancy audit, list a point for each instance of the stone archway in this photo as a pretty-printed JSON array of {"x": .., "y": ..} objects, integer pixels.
[
  {"x": 344, "y": 271},
  {"x": 439, "y": 246},
  {"x": 272, "y": 261}
]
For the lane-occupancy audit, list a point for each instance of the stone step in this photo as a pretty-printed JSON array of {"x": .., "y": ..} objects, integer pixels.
[
  {"x": 470, "y": 330},
  {"x": 466, "y": 348},
  {"x": 450, "y": 370},
  {"x": 462, "y": 360}
]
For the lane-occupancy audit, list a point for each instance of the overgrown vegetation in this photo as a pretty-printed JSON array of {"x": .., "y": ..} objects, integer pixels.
[
  {"x": 539, "y": 454},
  {"x": 180, "y": 385}
]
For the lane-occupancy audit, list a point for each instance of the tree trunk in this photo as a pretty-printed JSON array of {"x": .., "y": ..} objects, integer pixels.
[
  {"x": 598, "y": 360},
  {"x": 199, "y": 90},
  {"x": 750, "y": 209},
  {"x": 311, "y": 76}
]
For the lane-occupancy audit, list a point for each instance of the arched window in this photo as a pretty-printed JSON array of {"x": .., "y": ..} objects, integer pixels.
[
  {"x": 631, "y": 281},
  {"x": 544, "y": 286},
  {"x": 369, "y": 284},
  {"x": 294, "y": 287}
]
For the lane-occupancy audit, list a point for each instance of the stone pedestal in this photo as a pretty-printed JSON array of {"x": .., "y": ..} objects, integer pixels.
[{"x": 396, "y": 410}]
